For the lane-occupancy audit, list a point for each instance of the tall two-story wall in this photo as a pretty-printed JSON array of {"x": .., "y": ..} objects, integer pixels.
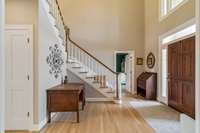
[
  {"x": 154, "y": 28},
  {"x": 105, "y": 26},
  {"x": 2, "y": 87}
]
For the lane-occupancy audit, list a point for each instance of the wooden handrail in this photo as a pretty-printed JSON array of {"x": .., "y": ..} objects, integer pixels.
[
  {"x": 92, "y": 56},
  {"x": 62, "y": 18}
]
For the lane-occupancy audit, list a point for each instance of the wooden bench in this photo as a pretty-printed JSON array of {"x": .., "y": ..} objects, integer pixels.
[{"x": 65, "y": 98}]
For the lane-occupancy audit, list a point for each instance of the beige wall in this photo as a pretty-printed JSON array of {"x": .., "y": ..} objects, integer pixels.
[
  {"x": 105, "y": 26},
  {"x": 21, "y": 11},
  {"x": 26, "y": 12},
  {"x": 154, "y": 28}
]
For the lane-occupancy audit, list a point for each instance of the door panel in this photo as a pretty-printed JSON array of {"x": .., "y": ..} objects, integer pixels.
[
  {"x": 173, "y": 84},
  {"x": 181, "y": 68},
  {"x": 173, "y": 92},
  {"x": 18, "y": 84},
  {"x": 188, "y": 99},
  {"x": 173, "y": 60},
  {"x": 188, "y": 57}
]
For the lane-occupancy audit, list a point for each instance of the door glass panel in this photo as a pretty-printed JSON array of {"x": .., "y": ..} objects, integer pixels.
[{"x": 164, "y": 72}]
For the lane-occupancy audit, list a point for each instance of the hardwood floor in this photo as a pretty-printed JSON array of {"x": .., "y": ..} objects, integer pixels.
[{"x": 99, "y": 118}]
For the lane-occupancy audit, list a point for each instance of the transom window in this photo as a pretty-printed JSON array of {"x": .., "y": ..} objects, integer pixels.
[{"x": 168, "y": 6}]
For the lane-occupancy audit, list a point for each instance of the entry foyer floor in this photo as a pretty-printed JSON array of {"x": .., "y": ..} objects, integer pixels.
[{"x": 99, "y": 118}]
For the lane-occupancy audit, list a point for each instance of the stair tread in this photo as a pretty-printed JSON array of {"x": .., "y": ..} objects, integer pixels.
[
  {"x": 83, "y": 72},
  {"x": 104, "y": 87},
  {"x": 76, "y": 67},
  {"x": 90, "y": 77}
]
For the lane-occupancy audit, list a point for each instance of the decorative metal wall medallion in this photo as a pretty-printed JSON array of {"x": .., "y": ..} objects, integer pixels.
[{"x": 55, "y": 61}]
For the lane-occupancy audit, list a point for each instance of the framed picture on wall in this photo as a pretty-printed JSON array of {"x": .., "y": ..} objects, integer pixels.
[{"x": 139, "y": 61}]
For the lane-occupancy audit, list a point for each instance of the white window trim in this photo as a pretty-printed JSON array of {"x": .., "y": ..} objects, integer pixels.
[{"x": 170, "y": 11}]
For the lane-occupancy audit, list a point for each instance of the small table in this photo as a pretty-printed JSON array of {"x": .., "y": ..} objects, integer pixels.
[{"x": 64, "y": 98}]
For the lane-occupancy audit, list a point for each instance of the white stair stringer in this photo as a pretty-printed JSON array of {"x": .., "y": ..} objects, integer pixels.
[
  {"x": 53, "y": 21},
  {"x": 73, "y": 67}
]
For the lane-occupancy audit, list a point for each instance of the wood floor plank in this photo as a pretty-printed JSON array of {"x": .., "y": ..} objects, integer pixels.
[{"x": 99, "y": 118}]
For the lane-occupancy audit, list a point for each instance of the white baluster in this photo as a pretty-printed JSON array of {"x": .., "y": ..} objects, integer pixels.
[
  {"x": 89, "y": 67},
  {"x": 92, "y": 64},
  {"x": 69, "y": 49},
  {"x": 87, "y": 62},
  {"x": 72, "y": 51},
  {"x": 83, "y": 58},
  {"x": 81, "y": 53},
  {"x": 75, "y": 52},
  {"x": 78, "y": 55},
  {"x": 53, "y": 9}
]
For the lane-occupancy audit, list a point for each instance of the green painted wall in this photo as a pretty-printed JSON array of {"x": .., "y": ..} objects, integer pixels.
[{"x": 120, "y": 57}]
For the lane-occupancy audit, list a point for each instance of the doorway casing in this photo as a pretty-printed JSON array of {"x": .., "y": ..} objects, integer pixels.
[{"x": 133, "y": 64}]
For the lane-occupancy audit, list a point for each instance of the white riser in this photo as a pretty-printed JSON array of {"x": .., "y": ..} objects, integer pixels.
[{"x": 103, "y": 91}]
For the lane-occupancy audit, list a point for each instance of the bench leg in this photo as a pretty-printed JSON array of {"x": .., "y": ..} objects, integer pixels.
[
  {"x": 83, "y": 105},
  {"x": 77, "y": 113},
  {"x": 49, "y": 117}
]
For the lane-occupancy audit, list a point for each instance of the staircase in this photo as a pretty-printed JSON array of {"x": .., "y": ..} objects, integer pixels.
[{"x": 82, "y": 63}]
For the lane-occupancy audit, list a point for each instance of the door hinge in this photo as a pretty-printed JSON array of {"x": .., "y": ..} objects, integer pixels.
[
  {"x": 28, "y": 114},
  {"x": 28, "y": 77},
  {"x": 28, "y": 40}
]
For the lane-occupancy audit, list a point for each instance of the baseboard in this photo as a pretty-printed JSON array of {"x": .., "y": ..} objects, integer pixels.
[
  {"x": 99, "y": 99},
  {"x": 38, "y": 127}
]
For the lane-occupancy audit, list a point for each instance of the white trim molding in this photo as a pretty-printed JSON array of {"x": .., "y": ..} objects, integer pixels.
[
  {"x": 197, "y": 86},
  {"x": 130, "y": 52},
  {"x": 2, "y": 66},
  {"x": 42, "y": 124}
]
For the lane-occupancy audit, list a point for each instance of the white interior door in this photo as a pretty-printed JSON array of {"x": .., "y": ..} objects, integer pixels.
[
  {"x": 130, "y": 73},
  {"x": 18, "y": 78}
]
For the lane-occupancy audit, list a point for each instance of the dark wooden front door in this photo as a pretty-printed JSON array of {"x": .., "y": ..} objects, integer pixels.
[{"x": 181, "y": 76}]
